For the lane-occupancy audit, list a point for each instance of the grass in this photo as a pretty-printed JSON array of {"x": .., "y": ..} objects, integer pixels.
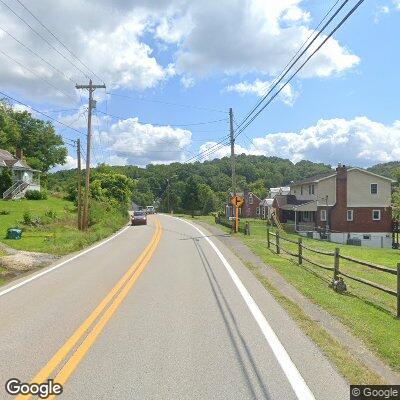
[
  {"x": 366, "y": 312},
  {"x": 349, "y": 366},
  {"x": 57, "y": 233}
]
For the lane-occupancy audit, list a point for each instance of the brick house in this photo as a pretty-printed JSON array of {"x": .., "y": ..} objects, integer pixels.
[
  {"x": 351, "y": 205},
  {"x": 250, "y": 207}
]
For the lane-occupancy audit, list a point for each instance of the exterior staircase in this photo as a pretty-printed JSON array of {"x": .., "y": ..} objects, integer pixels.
[{"x": 16, "y": 191}]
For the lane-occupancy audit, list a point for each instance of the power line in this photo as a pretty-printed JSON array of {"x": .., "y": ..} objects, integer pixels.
[
  {"x": 301, "y": 67},
  {"x": 291, "y": 63},
  {"x": 172, "y": 125},
  {"x": 58, "y": 40},
  {"x": 43, "y": 38},
  {"x": 167, "y": 102},
  {"x": 37, "y": 55},
  {"x": 37, "y": 75},
  {"x": 40, "y": 112}
]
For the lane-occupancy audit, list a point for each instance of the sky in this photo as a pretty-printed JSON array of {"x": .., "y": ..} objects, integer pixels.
[{"x": 173, "y": 68}]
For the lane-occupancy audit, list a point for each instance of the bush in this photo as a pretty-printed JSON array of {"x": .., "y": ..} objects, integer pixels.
[{"x": 35, "y": 195}]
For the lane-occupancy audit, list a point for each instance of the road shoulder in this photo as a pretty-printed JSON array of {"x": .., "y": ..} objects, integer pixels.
[{"x": 374, "y": 367}]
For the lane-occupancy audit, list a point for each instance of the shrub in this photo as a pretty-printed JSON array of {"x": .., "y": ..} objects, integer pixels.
[
  {"x": 4, "y": 212},
  {"x": 27, "y": 219},
  {"x": 35, "y": 195}
]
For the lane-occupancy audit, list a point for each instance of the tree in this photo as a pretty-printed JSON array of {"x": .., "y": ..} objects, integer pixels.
[
  {"x": 112, "y": 186},
  {"x": 42, "y": 147},
  {"x": 5, "y": 179},
  {"x": 191, "y": 195}
]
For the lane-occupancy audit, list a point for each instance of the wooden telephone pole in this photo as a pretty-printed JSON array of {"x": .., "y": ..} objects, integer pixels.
[
  {"x": 79, "y": 178},
  {"x": 235, "y": 201},
  {"x": 92, "y": 104}
]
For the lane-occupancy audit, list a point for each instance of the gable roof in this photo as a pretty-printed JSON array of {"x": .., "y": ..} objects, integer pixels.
[
  {"x": 314, "y": 178},
  {"x": 8, "y": 160},
  {"x": 320, "y": 177}
]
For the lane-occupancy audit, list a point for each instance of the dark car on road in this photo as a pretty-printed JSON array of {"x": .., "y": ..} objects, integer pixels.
[{"x": 139, "y": 218}]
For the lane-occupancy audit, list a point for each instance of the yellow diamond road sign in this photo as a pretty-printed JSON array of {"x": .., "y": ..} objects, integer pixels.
[{"x": 237, "y": 201}]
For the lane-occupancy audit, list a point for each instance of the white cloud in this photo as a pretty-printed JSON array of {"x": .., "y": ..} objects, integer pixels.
[
  {"x": 359, "y": 141},
  {"x": 241, "y": 36},
  {"x": 134, "y": 143},
  {"x": 215, "y": 151},
  {"x": 235, "y": 36},
  {"x": 396, "y": 3},
  {"x": 109, "y": 40},
  {"x": 260, "y": 88},
  {"x": 70, "y": 163}
]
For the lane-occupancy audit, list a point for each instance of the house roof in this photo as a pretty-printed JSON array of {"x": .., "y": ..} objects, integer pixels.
[
  {"x": 314, "y": 178},
  {"x": 320, "y": 177},
  {"x": 8, "y": 160}
]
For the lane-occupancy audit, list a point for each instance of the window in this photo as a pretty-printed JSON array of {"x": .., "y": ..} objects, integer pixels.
[
  {"x": 258, "y": 211},
  {"x": 311, "y": 189},
  {"x": 367, "y": 237},
  {"x": 250, "y": 198},
  {"x": 374, "y": 188},
  {"x": 323, "y": 215},
  {"x": 350, "y": 215},
  {"x": 376, "y": 215}
]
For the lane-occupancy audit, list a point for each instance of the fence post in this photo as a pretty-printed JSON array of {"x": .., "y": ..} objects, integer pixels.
[
  {"x": 278, "y": 249},
  {"x": 300, "y": 240},
  {"x": 268, "y": 239},
  {"x": 398, "y": 290},
  {"x": 247, "y": 229},
  {"x": 336, "y": 264}
]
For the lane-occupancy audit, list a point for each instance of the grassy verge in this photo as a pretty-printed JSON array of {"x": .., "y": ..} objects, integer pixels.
[
  {"x": 50, "y": 225},
  {"x": 350, "y": 367},
  {"x": 367, "y": 314}
]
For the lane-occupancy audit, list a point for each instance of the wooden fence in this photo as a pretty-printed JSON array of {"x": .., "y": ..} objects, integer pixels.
[{"x": 335, "y": 266}]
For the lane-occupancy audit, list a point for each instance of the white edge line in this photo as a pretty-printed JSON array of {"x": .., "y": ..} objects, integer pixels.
[
  {"x": 32, "y": 278},
  {"x": 293, "y": 375}
]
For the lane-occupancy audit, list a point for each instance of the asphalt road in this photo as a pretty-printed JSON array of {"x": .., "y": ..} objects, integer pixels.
[{"x": 158, "y": 312}]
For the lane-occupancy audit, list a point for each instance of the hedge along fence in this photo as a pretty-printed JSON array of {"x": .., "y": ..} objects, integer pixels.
[{"x": 335, "y": 268}]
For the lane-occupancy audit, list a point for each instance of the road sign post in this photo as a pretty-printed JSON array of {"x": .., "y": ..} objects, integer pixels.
[{"x": 237, "y": 202}]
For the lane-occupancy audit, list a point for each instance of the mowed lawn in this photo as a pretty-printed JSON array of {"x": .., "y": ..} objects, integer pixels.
[
  {"x": 367, "y": 312},
  {"x": 56, "y": 233}
]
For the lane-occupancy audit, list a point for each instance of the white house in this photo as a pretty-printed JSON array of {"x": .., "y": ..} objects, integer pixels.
[{"x": 23, "y": 176}]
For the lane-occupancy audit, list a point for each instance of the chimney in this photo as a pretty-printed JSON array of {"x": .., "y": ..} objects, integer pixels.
[
  {"x": 341, "y": 186},
  {"x": 19, "y": 153}
]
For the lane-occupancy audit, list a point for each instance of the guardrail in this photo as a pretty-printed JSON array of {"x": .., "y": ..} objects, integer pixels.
[{"x": 335, "y": 268}]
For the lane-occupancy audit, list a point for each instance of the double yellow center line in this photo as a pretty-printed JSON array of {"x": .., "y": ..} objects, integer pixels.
[{"x": 103, "y": 312}]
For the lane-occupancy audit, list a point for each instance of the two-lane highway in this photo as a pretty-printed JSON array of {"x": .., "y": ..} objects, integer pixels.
[{"x": 158, "y": 312}]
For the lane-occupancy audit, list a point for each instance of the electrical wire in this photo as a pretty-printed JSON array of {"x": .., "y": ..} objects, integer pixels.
[
  {"x": 40, "y": 112},
  {"x": 37, "y": 55},
  {"x": 167, "y": 103},
  {"x": 43, "y": 38},
  {"x": 37, "y": 75},
  {"x": 296, "y": 58},
  {"x": 58, "y": 39},
  {"x": 172, "y": 125},
  {"x": 301, "y": 66}
]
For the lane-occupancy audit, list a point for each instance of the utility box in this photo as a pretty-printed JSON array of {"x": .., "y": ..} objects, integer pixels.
[{"x": 14, "y": 234}]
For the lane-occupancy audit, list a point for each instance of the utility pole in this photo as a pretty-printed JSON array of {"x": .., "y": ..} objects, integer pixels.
[
  {"x": 169, "y": 211},
  {"x": 233, "y": 161},
  {"x": 79, "y": 178},
  {"x": 235, "y": 223},
  {"x": 92, "y": 104}
]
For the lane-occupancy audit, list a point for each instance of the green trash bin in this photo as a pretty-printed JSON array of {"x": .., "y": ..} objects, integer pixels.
[{"x": 14, "y": 234}]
